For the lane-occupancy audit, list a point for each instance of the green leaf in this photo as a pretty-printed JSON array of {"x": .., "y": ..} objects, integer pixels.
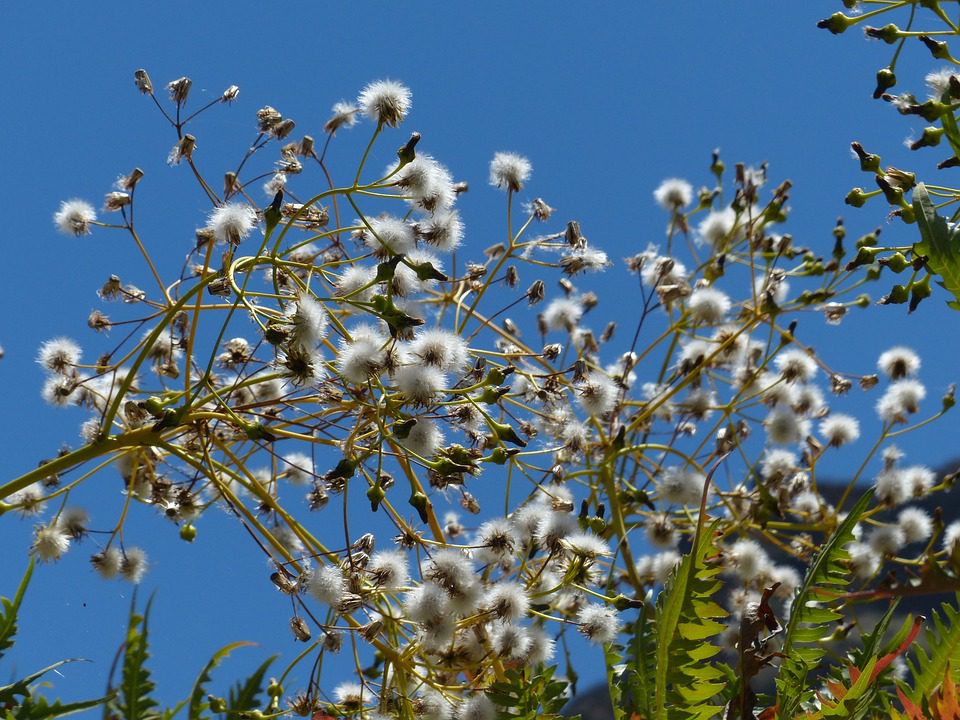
[
  {"x": 21, "y": 687},
  {"x": 8, "y": 618},
  {"x": 811, "y": 623},
  {"x": 684, "y": 682},
  {"x": 198, "y": 701},
  {"x": 939, "y": 244},
  {"x": 245, "y": 696},
  {"x": 134, "y": 701},
  {"x": 40, "y": 709},
  {"x": 943, "y": 643}
]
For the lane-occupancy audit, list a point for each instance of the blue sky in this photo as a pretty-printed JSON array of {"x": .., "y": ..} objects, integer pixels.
[{"x": 606, "y": 100}]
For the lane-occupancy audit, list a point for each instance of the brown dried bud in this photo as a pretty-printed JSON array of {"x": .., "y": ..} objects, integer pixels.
[
  {"x": 301, "y": 631},
  {"x": 283, "y": 128},
  {"x": 129, "y": 182},
  {"x": 460, "y": 187},
  {"x": 98, "y": 321},
  {"x": 267, "y": 117},
  {"x": 143, "y": 81},
  {"x": 179, "y": 89},
  {"x": 230, "y": 94},
  {"x": 229, "y": 183},
  {"x": 305, "y": 148},
  {"x": 551, "y": 351},
  {"x": 536, "y": 292},
  {"x": 512, "y": 276},
  {"x": 540, "y": 210},
  {"x": 113, "y": 201}
]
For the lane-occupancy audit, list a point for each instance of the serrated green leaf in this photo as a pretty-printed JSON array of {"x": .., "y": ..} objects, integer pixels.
[
  {"x": 943, "y": 648},
  {"x": 939, "y": 244},
  {"x": 8, "y": 618},
  {"x": 134, "y": 700},
  {"x": 245, "y": 696},
  {"x": 809, "y": 624},
  {"x": 198, "y": 701}
]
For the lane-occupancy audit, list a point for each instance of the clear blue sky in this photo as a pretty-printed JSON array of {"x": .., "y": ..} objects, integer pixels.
[{"x": 606, "y": 99}]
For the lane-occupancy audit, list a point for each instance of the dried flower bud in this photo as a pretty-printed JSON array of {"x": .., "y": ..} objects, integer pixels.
[
  {"x": 179, "y": 89},
  {"x": 183, "y": 149},
  {"x": 551, "y": 351},
  {"x": 469, "y": 503},
  {"x": 301, "y": 631},
  {"x": 305, "y": 148},
  {"x": 98, "y": 321},
  {"x": 839, "y": 385},
  {"x": 536, "y": 292},
  {"x": 230, "y": 94},
  {"x": 512, "y": 276},
  {"x": 283, "y": 128},
  {"x": 143, "y": 81},
  {"x": 460, "y": 187},
  {"x": 540, "y": 210},
  {"x": 129, "y": 182},
  {"x": 267, "y": 117},
  {"x": 608, "y": 331},
  {"x": 113, "y": 201}
]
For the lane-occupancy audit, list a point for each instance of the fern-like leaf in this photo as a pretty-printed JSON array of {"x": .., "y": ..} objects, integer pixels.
[
  {"x": 685, "y": 682},
  {"x": 811, "y": 617},
  {"x": 939, "y": 243},
  {"x": 134, "y": 700},
  {"x": 198, "y": 696},
  {"x": 8, "y": 616},
  {"x": 245, "y": 695},
  {"x": 943, "y": 643}
]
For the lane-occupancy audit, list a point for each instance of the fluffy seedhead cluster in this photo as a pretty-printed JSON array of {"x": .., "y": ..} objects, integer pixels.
[{"x": 530, "y": 470}]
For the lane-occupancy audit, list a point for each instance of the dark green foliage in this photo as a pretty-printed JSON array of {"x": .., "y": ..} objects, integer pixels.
[
  {"x": 686, "y": 682},
  {"x": 927, "y": 667},
  {"x": 134, "y": 701},
  {"x": 530, "y": 695},
  {"x": 939, "y": 244},
  {"x": 19, "y": 699},
  {"x": 812, "y": 618},
  {"x": 8, "y": 617},
  {"x": 245, "y": 694}
]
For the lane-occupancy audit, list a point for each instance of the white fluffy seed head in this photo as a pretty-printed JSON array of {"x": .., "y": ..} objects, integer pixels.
[
  {"x": 598, "y": 623},
  {"x": 891, "y": 486},
  {"x": 915, "y": 524},
  {"x": 673, "y": 194},
  {"x": 886, "y": 539},
  {"x": 839, "y": 429},
  {"x": 785, "y": 427},
  {"x": 326, "y": 584},
  {"x": 50, "y": 542},
  {"x": 427, "y": 183},
  {"x": 59, "y": 355},
  {"x": 717, "y": 227},
  {"x": 597, "y": 394},
  {"x": 388, "y": 569},
  {"x": 388, "y": 236},
  {"x": 796, "y": 365},
  {"x": 902, "y": 398},
  {"x": 509, "y": 171},
  {"x": 133, "y": 565},
  {"x": 898, "y": 362},
  {"x": 439, "y": 348},
  {"x": 232, "y": 222},
  {"x": 683, "y": 486},
  {"x": 74, "y": 217},
  {"x": 747, "y": 559},
  {"x": 563, "y": 313},
  {"x": 708, "y": 306},
  {"x": 385, "y": 101}
]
